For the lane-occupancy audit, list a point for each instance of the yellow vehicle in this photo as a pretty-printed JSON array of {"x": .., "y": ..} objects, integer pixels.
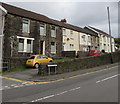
[{"x": 35, "y": 60}]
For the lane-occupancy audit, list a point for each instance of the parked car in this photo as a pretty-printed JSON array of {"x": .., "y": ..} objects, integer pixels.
[
  {"x": 94, "y": 52},
  {"x": 35, "y": 60}
]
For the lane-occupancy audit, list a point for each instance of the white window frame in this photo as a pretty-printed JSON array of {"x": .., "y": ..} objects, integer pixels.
[
  {"x": 44, "y": 29},
  {"x": 83, "y": 38},
  {"x": 54, "y": 30},
  {"x": 71, "y": 34},
  {"x": 64, "y": 32},
  {"x": 89, "y": 39},
  {"x": 25, "y": 44},
  {"x": 71, "y": 47},
  {"x": 53, "y": 52},
  {"x": 28, "y": 25},
  {"x": 64, "y": 47}
]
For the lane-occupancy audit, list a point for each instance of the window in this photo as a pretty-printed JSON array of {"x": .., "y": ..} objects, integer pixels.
[
  {"x": 29, "y": 45},
  {"x": 104, "y": 46},
  {"x": 53, "y": 33},
  {"x": 64, "y": 46},
  {"x": 21, "y": 45},
  {"x": 39, "y": 57},
  {"x": 104, "y": 38},
  {"x": 25, "y": 27},
  {"x": 64, "y": 31},
  {"x": 71, "y": 34},
  {"x": 53, "y": 47},
  {"x": 25, "y": 44},
  {"x": 83, "y": 38},
  {"x": 42, "y": 29},
  {"x": 44, "y": 56},
  {"x": 32, "y": 57},
  {"x": 88, "y": 38},
  {"x": 71, "y": 47}
]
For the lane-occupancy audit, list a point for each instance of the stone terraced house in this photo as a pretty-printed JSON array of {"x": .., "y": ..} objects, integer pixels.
[{"x": 27, "y": 33}]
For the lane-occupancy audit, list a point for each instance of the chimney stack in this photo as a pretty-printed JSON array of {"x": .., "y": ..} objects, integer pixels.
[{"x": 64, "y": 20}]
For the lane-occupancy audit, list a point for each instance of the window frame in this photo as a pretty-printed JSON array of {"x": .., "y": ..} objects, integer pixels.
[
  {"x": 54, "y": 31},
  {"x": 53, "y": 52},
  {"x": 44, "y": 34},
  {"x": 28, "y": 25},
  {"x": 64, "y": 32},
  {"x": 25, "y": 44},
  {"x": 71, "y": 34}
]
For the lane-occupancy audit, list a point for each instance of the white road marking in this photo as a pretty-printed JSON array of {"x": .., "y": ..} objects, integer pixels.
[
  {"x": 74, "y": 89},
  {"x": 107, "y": 78},
  {"x": 49, "y": 96},
  {"x": 43, "y": 98},
  {"x": 15, "y": 86}
]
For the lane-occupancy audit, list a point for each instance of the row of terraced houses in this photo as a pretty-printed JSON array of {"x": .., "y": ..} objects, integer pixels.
[{"x": 27, "y": 33}]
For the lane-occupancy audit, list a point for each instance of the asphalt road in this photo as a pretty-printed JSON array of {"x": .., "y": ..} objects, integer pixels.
[{"x": 101, "y": 86}]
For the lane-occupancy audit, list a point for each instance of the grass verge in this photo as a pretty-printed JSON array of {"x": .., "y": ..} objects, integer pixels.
[
  {"x": 63, "y": 59},
  {"x": 15, "y": 70}
]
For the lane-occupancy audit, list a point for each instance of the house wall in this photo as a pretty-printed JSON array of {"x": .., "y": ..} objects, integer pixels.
[
  {"x": 105, "y": 43},
  {"x": 95, "y": 43},
  {"x": 67, "y": 39},
  {"x": 83, "y": 42},
  {"x": 13, "y": 27}
]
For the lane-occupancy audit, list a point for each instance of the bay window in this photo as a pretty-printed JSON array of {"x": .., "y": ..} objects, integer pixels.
[{"x": 25, "y": 44}]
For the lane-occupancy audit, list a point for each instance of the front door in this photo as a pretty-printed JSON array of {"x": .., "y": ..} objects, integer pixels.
[{"x": 42, "y": 47}]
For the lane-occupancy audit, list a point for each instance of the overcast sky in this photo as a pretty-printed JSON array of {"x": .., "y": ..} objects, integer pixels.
[{"x": 77, "y": 13}]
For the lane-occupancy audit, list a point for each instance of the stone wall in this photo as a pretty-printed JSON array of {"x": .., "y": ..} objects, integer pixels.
[
  {"x": 80, "y": 64},
  {"x": 14, "y": 62},
  {"x": 81, "y": 54},
  {"x": 68, "y": 53}
]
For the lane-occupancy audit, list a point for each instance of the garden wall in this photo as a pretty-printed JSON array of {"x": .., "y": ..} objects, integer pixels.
[
  {"x": 81, "y": 63},
  {"x": 15, "y": 62}
]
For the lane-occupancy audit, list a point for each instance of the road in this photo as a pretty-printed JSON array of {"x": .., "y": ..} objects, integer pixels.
[{"x": 99, "y": 86}]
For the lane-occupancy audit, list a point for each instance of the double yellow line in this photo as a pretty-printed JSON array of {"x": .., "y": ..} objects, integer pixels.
[{"x": 31, "y": 82}]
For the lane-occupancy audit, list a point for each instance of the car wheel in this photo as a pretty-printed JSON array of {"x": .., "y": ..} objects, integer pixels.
[
  {"x": 50, "y": 61},
  {"x": 36, "y": 65}
]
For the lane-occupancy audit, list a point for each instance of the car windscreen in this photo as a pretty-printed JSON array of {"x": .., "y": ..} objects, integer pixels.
[
  {"x": 32, "y": 57},
  {"x": 98, "y": 52},
  {"x": 91, "y": 51}
]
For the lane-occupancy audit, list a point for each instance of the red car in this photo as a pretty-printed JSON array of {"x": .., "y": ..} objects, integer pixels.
[{"x": 94, "y": 52}]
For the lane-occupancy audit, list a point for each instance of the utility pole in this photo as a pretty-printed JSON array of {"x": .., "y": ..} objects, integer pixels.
[{"x": 109, "y": 28}]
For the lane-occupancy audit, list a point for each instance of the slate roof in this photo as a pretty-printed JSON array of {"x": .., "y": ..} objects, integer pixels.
[
  {"x": 39, "y": 17},
  {"x": 100, "y": 31}
]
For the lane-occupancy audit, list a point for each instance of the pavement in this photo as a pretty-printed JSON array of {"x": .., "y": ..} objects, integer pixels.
[{"x": 32, "y": 74}]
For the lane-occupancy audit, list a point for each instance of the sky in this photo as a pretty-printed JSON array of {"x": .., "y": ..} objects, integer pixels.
[{"x": 77, "y": 13}]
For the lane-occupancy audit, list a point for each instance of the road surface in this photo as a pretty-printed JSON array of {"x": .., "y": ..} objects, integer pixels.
[{"x": 97, "y": 86}]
